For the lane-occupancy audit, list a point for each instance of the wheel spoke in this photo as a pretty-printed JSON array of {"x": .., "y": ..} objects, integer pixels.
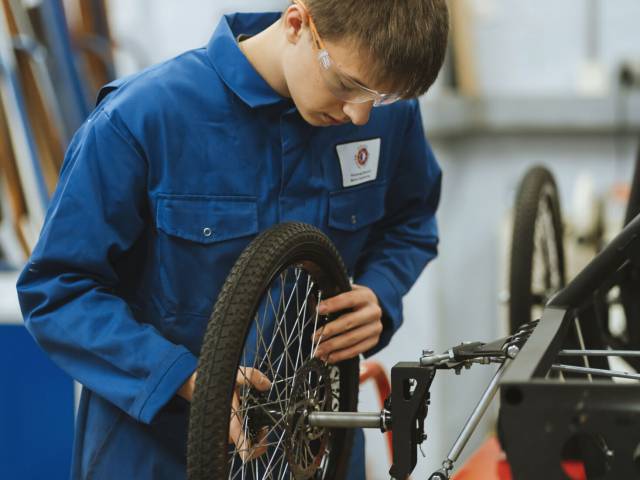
[{"x": 284, "y": 327}]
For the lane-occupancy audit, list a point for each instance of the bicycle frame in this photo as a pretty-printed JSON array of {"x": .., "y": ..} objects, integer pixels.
[
  {"x": 541, "y": 412},
  {"x": 541, "y": 415}
]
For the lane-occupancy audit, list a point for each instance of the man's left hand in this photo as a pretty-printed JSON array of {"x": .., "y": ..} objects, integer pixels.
[{"x": 354, "y": 332}]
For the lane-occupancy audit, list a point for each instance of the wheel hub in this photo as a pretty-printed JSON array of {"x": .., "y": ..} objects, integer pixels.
[{"x": 306, "y": 445}]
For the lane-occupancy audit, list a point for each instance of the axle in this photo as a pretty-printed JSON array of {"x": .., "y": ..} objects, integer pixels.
[{"x": 349, "y": 419}]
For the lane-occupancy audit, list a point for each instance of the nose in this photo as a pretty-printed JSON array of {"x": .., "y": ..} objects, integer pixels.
[{"x": 358, "y": 113}]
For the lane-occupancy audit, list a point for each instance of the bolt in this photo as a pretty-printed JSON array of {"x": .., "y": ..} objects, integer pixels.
[
  {"x": 447, "y": 464},
  {"x": 512, "y": 351}
]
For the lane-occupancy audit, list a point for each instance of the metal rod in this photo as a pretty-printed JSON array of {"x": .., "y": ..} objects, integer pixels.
[
  {"x": 585, "y": 358},
  {"x": 436, "y": 359},
  {"x": 599, "y": 353},
  {"x": 476, "y": 415},
  {"x": 595, "y": 371},
  {"x": 345, "y": 419}
]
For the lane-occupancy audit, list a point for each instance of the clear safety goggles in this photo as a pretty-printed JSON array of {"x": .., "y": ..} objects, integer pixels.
[{"x": 341, "y": 85}]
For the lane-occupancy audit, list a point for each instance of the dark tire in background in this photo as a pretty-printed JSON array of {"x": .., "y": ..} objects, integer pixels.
[{"x": 537, "y": 265}]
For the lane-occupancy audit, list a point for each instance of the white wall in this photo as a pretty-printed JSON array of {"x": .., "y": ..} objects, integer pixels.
[
  {"x": 542, "y": 47},
  {"x": 149, "y": 31}
]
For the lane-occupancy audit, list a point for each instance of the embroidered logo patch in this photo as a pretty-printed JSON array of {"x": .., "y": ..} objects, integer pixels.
[
  {"x": 362, "y": 156},
  {"x": 359, "y": 161}
]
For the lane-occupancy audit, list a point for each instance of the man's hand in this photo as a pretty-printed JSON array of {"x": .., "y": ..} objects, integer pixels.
[
  {"x": 354, "y": 332},
  {"x": 186, "y": 390},
  {"x": 237, "y": 436}
]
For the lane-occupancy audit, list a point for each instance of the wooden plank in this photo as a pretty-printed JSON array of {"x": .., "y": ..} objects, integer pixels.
[
  {"x": 462, "y": 47},
  {"x": 90, "y": 32},
  {"x": 12, "y": 185},
  {"x": 49, "y": 20},
  {"x": 39, "y": 94},
  {"x": 19, "y": 131}
]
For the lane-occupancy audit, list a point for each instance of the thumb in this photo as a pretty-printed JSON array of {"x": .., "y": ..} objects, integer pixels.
[{"x": 253, "y": 377}]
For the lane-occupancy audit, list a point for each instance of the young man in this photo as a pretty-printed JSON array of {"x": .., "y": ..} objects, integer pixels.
[{"x": 181, "y": 165}]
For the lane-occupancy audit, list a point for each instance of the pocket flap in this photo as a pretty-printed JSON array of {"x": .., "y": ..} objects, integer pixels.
[
  {"x": 207, "y": 219},
  {"x": 357, "y": 207}
]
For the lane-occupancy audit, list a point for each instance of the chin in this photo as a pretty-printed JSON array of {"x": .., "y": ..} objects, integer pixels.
[{"x": 314, "y": 120}]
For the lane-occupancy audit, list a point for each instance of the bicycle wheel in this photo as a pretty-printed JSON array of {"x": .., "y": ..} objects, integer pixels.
[
  {"x": 537, "y": 256},
  {"x": 264, "y": 318}
]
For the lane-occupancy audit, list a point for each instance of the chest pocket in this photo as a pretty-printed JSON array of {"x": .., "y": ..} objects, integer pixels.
[
  {"x": 352, "y": 212},
  {"x": 199, "y": 239},
  {"x": 207, "y": 220}
]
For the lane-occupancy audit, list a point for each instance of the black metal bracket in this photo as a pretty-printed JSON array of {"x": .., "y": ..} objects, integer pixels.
[{"x": 410, "y": 383}]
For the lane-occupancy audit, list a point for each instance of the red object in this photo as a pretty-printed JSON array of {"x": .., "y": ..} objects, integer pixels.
[
  {"x": 372, "y": 370},
  {"x": 489, "y": 463}
]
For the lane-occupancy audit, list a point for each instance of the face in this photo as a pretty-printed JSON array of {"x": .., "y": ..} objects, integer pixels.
[{"x": 307, "y": 87}]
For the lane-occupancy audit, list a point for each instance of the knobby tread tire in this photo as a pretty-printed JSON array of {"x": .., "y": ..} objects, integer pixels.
[
  {"x": 227, "y": 329},
  {"x": 536, "y": 183}
]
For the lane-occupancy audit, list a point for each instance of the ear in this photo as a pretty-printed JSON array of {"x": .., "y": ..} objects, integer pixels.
[{"x": 294, "y": 19}]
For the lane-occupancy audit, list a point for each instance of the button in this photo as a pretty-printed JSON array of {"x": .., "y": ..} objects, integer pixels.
[
  {"x": 354, "y": 219},
  {"x": 207, "y": 232}
]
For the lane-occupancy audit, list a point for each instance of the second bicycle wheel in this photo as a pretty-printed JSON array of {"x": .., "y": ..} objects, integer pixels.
[
  {"x": 264, "y": 319},
  {"x": 537, "y": 254}
]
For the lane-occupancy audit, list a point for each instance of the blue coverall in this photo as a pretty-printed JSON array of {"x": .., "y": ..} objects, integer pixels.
[{"x": 164, "y": 185}]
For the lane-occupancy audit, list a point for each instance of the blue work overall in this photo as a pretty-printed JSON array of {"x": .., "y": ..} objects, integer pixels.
[{"x": 177, "y": 169}]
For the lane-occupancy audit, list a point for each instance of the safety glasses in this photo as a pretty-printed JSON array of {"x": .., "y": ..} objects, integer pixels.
[{"x": 341, "y": 85}]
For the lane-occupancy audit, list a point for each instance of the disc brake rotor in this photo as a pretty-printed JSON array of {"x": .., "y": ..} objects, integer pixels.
[{"x": 305, "y": 446}]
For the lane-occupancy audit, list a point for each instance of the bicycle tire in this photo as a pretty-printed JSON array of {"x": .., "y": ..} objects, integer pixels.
[
  {"x": 229, "y": 327},
  {"x": 537, "y": 195}
]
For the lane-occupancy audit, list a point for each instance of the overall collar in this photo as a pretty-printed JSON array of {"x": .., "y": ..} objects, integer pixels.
[{"x": 231, "y": 64}]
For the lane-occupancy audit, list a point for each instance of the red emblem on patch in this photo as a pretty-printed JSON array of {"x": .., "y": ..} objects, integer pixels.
[{"x": 362, "y": 156}]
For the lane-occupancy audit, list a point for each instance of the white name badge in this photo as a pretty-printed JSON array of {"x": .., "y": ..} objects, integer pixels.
[{"x": 359, "y": 161}]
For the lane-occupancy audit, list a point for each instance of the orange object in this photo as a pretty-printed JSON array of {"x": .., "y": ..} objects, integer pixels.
[
  {"x": 490, "y": 463},
  {"x": 372, "y": 370},
  {"x": 485, "y": 464}
]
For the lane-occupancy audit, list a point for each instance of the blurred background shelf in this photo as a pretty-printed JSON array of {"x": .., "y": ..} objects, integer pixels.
[{"x": 446, "y": 116}]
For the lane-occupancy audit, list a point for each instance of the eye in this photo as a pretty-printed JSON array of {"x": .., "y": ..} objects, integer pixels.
[{"x": 346, "y": 86}]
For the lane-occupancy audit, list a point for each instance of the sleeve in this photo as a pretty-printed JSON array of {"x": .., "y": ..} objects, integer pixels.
[
  {"x": 68, "y": 291},
  {"x": 406, "y": 238}
]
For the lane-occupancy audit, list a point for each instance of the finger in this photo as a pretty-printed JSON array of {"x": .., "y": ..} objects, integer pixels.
[
  {"x": 353, "y": 351},
  {"x": 345, "y": 300},
  {"x": 260, "y": 447},
  {"x": 349, "y": 321},
  {"x": 253, "y": 451},
  {"x": 349, "y": 339},
  {"x": 236, "y": 433},
  {"x": 253, "y": 377}
]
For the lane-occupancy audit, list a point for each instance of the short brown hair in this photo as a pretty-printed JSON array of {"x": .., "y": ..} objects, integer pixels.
[{"x": 406, "y": 39}]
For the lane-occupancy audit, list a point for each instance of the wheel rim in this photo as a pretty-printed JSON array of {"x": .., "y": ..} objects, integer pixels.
[
  {"x": 546, "y": 270},
  {"x": 279, "y": 344}
]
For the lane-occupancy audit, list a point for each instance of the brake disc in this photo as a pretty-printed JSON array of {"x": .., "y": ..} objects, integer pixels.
[{"x": 305, "y": 445}]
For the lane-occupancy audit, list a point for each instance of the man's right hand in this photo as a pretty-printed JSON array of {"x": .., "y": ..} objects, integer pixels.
[{"x": 237, "y": 435}]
